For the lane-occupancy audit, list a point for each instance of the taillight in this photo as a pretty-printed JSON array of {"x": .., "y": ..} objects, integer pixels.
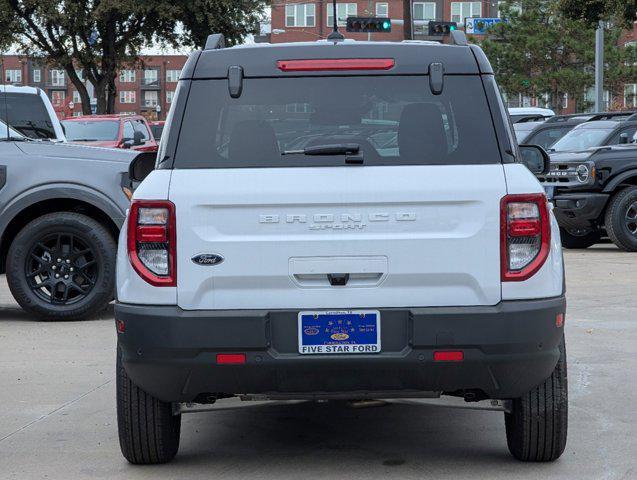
[
  {"x": 152, "y": 245},
  {"x": 525, "y": 235}
]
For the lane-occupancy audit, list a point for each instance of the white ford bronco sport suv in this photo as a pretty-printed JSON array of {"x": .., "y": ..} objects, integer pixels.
[{"x": 338, "y": 220}]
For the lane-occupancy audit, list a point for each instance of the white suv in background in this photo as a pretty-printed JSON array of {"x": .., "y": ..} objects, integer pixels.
[
  {"x": 29, "y": 111},
  {"x": 338, "y": 220}
]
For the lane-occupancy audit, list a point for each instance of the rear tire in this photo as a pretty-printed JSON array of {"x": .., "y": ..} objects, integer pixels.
[
  {"x": 537, "y": 426},
  {"x": 148, "y": 430},
  {"x": 621, "y": 219},
  {"x": 579, "y": 241}
]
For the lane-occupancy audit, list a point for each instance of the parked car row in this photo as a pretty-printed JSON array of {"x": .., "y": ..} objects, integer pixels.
[{"x": 592, "y": 180}]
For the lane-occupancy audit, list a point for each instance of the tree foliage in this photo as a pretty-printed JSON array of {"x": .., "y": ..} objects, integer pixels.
[
  {"x": 99, "y": 37},
  {"x": 622, "y": 12},
  {"x": 540, "y": 51}
]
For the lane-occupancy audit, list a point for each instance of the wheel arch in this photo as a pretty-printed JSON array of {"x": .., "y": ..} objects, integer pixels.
[
  {"x": 627, "y": 179},
  {"x": 63, "y": 198}
]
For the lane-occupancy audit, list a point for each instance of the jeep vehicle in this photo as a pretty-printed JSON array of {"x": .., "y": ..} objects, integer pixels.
[
  {"x": 29, "y": 111},
  {"x": 111, "y": 131},
  {"x": 340, "y": 220},
  {"x": 618, "y": 129},
  {"x": 595, "y": 195},
  {"x": 61, "y": 208}
]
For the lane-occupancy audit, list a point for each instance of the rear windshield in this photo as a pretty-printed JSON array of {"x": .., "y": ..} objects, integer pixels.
[
  {"x": 395, "y": 120},
  {"x": 91, "y": 131},
  {"x": 27, "y": 114}
]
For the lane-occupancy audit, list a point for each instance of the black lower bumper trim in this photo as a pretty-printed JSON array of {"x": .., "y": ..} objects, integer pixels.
[
  {"x": 508, "y": 349},
  {"x": 579, "y": 210}
]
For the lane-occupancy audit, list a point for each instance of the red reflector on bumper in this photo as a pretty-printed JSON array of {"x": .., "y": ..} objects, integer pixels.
[
  {"x": 559, "y": 320},
  {"x": 121, "y": 327},
  {"x": 231, "y": 358},
  {"x": 447, "y": 356}
]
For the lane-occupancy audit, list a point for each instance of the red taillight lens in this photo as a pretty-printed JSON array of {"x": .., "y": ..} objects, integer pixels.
[
  {"x": 152, "y": 243},
  {"x": 335, "y": 64},
  {"x": 525, "y": 235}
]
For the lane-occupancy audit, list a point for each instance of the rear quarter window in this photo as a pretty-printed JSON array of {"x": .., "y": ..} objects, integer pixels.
[{"x": 395, "y": 120}]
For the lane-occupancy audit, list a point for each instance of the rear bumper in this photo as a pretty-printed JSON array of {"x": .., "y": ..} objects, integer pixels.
[
  {"x": 508, "y": 349},
  {"x": 579, "y": 210}
]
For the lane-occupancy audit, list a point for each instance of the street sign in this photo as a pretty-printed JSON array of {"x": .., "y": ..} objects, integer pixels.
[{"x": 479, "y": 26}]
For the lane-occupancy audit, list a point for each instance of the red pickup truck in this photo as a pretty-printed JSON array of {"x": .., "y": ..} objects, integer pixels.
[{"x": 111, "y": 131}]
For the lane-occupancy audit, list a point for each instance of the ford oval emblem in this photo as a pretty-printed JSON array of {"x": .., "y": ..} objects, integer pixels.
[{"x": 207, "y": 259}]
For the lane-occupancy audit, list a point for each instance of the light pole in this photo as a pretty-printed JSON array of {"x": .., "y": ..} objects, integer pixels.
[{"x": 599, "y": 67}]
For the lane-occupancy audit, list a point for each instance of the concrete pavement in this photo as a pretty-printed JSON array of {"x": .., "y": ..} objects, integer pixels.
[{"x": 57, "y": 408}]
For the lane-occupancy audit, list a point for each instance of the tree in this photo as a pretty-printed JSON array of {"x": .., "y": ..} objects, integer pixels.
[
  {"x": 622, "y": 12},
  {"x": 99, "y": 37},
  {"x": 540, "y": 51}
]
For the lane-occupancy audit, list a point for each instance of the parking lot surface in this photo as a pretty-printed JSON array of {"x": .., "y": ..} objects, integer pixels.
[{"x": 57, "y": 420}]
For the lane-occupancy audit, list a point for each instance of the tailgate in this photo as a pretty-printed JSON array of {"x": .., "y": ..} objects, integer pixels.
[{"x": 339, "y": 237}]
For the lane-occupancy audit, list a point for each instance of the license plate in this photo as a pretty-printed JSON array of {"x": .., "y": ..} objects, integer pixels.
[
  {"x": 549, "y": 192},
  {"x": 339, "y": 332}
]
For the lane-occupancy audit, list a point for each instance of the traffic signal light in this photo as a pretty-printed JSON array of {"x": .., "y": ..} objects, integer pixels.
[
  {"x": 437, "y": 29},
  {"x": 368, "y": 24}
]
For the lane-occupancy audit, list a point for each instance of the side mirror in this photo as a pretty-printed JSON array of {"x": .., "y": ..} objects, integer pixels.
[
  {"x": 536, "y": 159},
  {"x": 141, "y": 166},
  {"x": 127, "y": 143},
  {"x": 624, "y": 139},
  {"x": 138, "y": 138}
]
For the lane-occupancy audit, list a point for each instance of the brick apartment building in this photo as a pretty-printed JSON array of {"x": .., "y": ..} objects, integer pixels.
[
  {"x": 299, "y": 20},
  {"x": 308, "y": 20},
  {"x": 140, "y": 89}
]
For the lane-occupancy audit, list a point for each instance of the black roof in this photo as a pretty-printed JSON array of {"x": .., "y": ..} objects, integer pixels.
[{"x": 260, "y": 60}]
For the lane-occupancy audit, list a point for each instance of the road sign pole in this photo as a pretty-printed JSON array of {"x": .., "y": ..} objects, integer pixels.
[{"x": 599, "y": 67}]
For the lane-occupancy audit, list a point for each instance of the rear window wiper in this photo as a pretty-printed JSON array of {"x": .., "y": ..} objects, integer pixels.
[{"x": 335, "y": 149}]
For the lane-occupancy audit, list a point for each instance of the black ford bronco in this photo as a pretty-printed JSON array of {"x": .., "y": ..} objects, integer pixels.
[{"x": 595, "y": 195}]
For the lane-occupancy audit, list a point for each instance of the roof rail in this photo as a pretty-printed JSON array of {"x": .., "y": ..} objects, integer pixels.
[
  {"x": 610, "y": 115},
  {"x": 458, "y": 37},
  {"x": 215, "y": 42}
]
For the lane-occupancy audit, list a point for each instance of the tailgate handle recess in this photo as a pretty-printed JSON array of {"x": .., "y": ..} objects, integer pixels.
[{"x": 338, "y": 279}]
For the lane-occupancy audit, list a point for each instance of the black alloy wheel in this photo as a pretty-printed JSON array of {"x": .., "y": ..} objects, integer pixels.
[
  {"x": 61, "y": 268},
  {"x": 621, "y": 219}
]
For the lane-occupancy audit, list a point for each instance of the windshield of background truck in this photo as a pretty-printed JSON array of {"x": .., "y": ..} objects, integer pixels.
[
  {"x": 91, "y": 131},
  {"x": 580, "y": 139}
]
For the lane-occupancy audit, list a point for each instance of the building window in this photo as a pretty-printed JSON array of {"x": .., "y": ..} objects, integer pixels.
[
  {"x": 78, "y": 114},
  {"x": 37, "y": 75},
  {"x": 57, "y": 97},
  {"x": 151, "y": 99},
  {"x": 57, "y": 78},
  {"x": 127, "y": 96},
  {"x": 630, "y": 95},
  {"x": 151, "y": 77},
  {"x": 127, "y": 76},
  {"x": 343, "y": 10},
  {"x": 170, "y": 95},
  {"x": 300, "y": 15},
  {"x": 172, "y": 76},
  {"x": 80, "y": 74},
  {"x": 424, "y": 11},
  {"x": 13, "y": 76},
  {"x": 382, "y": 9},
  {"x": 76, "y": 97},
  {"x": 462, "y": 10}
]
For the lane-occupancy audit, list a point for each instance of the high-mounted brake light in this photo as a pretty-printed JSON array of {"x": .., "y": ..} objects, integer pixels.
[
  {"x": 152, "y": 241},
  {"x": 336, "y": 64},
  {"x": 525, "y": 235}
]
